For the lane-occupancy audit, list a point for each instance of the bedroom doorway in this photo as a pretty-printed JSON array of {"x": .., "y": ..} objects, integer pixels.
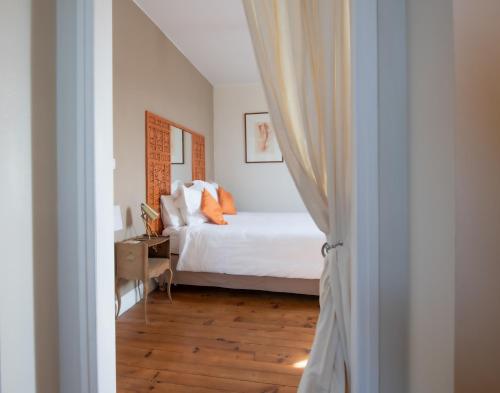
[
  {"x": 95, "y": 352},
  {"x": 241, "y": 312}
]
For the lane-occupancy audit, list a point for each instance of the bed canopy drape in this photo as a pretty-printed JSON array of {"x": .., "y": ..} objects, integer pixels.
[{"x": 303, "y": 52}]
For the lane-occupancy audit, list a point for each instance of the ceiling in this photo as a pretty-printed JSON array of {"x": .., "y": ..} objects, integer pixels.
[{"x": 212, "y": 34}]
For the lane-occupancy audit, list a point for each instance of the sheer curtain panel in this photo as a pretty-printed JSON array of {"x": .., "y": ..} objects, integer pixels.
[{"x": 303, "y": 52}]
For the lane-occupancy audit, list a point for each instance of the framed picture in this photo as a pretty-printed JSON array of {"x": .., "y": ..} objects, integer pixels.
[
  {"x": 261, "y": 144},
  {"x": 176, "y": 145}
]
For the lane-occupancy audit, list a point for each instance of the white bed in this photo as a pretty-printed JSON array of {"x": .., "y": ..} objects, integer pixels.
[{"x": 281, "y": 245}]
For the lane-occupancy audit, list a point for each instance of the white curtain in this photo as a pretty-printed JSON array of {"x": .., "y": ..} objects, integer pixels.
[{"x": 303, "y": 52}]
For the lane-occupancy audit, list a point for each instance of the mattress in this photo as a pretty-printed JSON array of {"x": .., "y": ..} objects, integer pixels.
[{"x": 284, "y": 245}]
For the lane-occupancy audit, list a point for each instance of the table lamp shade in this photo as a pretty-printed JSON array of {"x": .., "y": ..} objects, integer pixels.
[
  {"x": 149, "y": 211},
  {"x": 118, "y": 218}
]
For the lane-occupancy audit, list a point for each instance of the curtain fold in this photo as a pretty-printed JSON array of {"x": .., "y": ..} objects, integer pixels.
[{"x": 303, "y": 52}]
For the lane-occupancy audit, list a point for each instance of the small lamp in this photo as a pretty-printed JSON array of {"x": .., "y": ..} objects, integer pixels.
[
  {"x": 118, "y": 218},
  {"x": 149, "y": 214}
]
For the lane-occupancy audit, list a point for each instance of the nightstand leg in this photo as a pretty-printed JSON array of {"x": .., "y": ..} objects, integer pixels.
[
  {"x": 118, "y": 297},
  {"x": 146, "y": 292},
  {"x": 170, "y": 278}
]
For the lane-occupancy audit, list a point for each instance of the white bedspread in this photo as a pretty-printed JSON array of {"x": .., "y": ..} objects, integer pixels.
[{"x": 254, "y": 244}]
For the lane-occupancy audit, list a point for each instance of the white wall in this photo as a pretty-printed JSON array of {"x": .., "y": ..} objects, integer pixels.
[
  {"x": 17, "y": 342},
  {"x": 477, "y": 37},
  {"x": 432, "y": 215},
  {"x": 256, "y": 187}
]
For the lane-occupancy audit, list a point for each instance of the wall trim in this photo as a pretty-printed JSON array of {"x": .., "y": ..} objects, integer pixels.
[
  {"x": 131, "y": 298},
  {"x": 134, "y": 296}
]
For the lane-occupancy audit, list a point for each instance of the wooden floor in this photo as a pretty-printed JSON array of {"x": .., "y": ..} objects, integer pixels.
[{"x": 216, "y": 340}]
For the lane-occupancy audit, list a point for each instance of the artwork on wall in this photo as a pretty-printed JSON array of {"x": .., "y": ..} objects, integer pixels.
[
  {"x": 177, "y": 145},
  {"x": 261, "y": 144}
]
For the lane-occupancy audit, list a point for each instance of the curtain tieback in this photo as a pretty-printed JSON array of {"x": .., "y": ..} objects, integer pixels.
[{"x": 327, "y": 247}]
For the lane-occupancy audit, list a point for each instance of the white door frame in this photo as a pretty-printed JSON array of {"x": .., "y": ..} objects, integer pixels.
[
  {"x": 365, "y": 269},
  {"x": 85, "y": 196},
  {"x": 85, "y": 192}
]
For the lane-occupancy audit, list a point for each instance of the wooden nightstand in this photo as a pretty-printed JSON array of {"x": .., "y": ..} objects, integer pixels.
[{"x": 141, "y": 259}]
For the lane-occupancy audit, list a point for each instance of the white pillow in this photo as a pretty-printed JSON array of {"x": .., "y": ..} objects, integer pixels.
[
  {"x": 189, "y": 203},
  {"x": 170, "y": 214},
  {"x": 174, "y": 188},
  {"x": 210, "y": 187},
  {"x": 198, "y": 185}
]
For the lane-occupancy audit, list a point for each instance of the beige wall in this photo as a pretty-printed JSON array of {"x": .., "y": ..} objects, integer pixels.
[
  {"x": 477, "y": 38},
  {"x": 230, "y": 104},
  {"x": 29, "y": 318},
  {"x": 432, "y": 222},
  {"x": 150, "y": 74}
]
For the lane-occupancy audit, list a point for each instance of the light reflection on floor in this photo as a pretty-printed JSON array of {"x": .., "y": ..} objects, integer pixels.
[{"x": 300, "y": 364}]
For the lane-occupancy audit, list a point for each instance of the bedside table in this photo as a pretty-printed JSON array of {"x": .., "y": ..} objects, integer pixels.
[{"x": 141, "y": 259}]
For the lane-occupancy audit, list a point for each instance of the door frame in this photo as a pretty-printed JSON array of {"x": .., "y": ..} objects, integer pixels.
[
  {"x": 85, "y": 196},
  {"x": 365, "y": 261},
  {"x": 85, "y": 192}
]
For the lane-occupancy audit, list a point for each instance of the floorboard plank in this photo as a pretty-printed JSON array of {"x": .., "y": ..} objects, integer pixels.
[
  {"x": 270, "y": 353},
  {"x": 219, "y": 384},
  {"x": 215, "y": 340}
]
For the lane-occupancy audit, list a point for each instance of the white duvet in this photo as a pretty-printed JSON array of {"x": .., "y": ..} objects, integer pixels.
[{"x": 254, "y": 244}]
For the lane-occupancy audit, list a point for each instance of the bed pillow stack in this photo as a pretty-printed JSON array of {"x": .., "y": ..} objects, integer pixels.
[
  {"x": 189, "y": 204},
  {"x": 212, "y": 188},
  {"x": 226, "y": 201},
  {"x": 197, "y": 204},
  {"x": 211, "y": 208},
  {"x": 170, "y": 214},
  {"x": 175, "y": 187}
]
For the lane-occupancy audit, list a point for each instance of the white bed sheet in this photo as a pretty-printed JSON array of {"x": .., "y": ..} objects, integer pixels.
[
  {"x": 175, "y": 235},
  {"x": 253, "y": 244}
]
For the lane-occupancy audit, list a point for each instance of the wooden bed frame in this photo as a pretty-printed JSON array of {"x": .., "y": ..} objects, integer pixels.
[
  {"x": 158, "y": 180},
  {"x": 302, "y": 286}
]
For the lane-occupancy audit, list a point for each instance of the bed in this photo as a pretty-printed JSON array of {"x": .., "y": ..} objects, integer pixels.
[{"x": 277, "y": 252}]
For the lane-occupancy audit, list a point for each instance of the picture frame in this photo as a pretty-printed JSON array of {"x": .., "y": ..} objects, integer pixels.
[
  {"x": 177, "y": 145},
  {"x": 261, "y": 144}
]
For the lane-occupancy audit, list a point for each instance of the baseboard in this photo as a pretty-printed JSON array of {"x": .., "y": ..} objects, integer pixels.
[{"x": 134, "y": 296}]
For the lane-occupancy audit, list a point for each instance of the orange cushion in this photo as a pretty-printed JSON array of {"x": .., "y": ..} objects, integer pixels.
[
  {"x": 211, "y": 209},
  {"x": 226, "y": 201}
]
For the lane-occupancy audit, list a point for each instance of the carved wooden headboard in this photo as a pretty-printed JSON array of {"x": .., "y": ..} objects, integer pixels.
[
  {"x": 198, "y": 156},
  {"x": 158, "y": 177}
]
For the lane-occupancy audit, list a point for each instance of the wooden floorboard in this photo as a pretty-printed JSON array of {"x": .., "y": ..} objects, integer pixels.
[{"x": 215, "y": 340}]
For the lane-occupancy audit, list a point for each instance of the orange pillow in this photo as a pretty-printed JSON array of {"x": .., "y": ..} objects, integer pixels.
[
  {"x": 226, "y": 201},
  {"x": 211, "y": 209}
]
